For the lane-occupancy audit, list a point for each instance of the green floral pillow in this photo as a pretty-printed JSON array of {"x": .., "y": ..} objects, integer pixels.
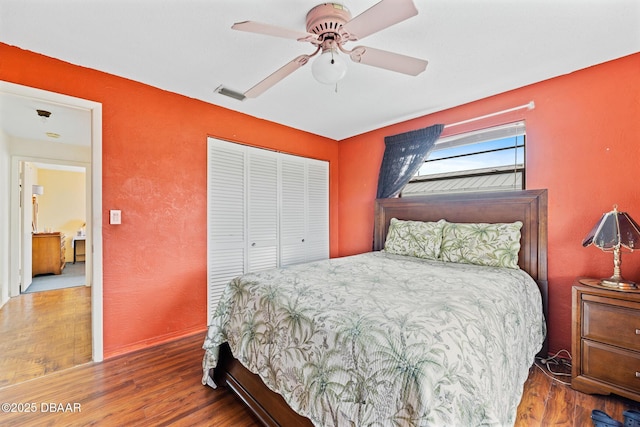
[
  {"x": 495, "y": 245},
  {"x": 414, "y": 238}
]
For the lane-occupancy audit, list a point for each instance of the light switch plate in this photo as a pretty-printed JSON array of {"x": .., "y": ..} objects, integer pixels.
[{"x": 115, "y": 216}]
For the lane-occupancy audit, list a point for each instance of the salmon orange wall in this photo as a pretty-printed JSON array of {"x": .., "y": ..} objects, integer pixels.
[
  {"x": 154, "y": 170},
  {"x": 583, "y": 145}
]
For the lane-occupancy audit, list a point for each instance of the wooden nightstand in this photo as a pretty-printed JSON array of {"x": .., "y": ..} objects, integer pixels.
[{"x": 605, "y": 340}]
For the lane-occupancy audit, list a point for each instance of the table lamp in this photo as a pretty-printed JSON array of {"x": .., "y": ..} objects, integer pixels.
[{"x": 614, "y": 231}]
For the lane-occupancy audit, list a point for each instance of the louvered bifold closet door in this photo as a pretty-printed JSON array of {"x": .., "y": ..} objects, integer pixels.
[
  {"x": 292, "y": 210},
  {"x": 262, "y": 210},
  {"x": 226, "y": 196},
  {"x": 265, "y": 210},
  {"x": 317, "y": 213}
]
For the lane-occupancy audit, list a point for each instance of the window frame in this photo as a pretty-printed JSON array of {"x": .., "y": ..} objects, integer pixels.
[{"x": 493, "y": 133}]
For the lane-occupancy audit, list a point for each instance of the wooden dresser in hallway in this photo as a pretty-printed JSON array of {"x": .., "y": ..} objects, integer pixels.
[{"x": 48, "y": 253}]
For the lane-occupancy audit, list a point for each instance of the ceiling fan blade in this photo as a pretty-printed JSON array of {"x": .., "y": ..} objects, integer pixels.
[
  {"x": 378, "y": 17},
  {"x": 388, "y": 60},
  {"x": 278, "y": 75},
  {"x": 272, "y": 30}
]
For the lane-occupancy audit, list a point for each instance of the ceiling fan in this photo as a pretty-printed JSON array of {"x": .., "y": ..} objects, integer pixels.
[{"x": 329, "y": 28}]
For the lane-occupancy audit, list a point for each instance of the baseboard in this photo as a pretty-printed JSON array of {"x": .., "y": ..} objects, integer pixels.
[{"x": 152, "y": 342}]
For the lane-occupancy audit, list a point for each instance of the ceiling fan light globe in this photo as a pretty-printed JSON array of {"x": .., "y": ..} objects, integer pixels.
[{"x": 329, "y": 67}]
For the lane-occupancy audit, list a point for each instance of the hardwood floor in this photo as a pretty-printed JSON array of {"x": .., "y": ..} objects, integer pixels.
[
  {"x": 152, "y": 387},
  {"x": 44, "y": 332},
  {"x": 160, "y": 386},
  {"x": 548, "y": 402}
]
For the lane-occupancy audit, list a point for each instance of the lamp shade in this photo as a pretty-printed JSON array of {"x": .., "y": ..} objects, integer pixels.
[
  {"x": 615, "y": 229},
  {"x": 37, "y": 190},
  {"x": 329, "y": 67}
]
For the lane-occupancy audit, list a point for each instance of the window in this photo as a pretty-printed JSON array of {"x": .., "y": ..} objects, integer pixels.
[{"x": 489, "y": 159}]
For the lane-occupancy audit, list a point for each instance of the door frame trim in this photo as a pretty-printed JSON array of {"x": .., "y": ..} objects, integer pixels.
[{"x": 94, "y": 203}]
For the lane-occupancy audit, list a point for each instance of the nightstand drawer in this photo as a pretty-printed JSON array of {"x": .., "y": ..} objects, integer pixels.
[
  {"x": 605, "y": 322},
  {"x": 612, "y": 365}
]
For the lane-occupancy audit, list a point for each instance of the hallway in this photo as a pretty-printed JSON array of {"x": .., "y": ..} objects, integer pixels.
[{"x": 44, "y": 332}]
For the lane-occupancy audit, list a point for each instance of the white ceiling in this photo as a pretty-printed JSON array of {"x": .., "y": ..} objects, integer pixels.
[
  {"x": 67, "y": 124},
  {"x": 475, "y": 49}
]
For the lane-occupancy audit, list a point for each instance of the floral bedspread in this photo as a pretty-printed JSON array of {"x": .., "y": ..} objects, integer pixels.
[{"x": 385, "y": 340}]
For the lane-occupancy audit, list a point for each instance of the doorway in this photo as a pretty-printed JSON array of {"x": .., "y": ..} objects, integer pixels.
[
  {"x": 55, "y": 211},
  {"x": 19, "y": 149}
]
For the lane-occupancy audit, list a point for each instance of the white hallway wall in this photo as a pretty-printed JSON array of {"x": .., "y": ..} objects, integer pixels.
[{"x": 5, "y": 167}]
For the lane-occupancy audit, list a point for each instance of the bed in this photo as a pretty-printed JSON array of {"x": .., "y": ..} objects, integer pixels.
[{"x": 386, "y": 338}]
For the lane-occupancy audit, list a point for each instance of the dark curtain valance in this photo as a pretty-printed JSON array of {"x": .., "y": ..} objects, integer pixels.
[{"x": 403, "y": 156}]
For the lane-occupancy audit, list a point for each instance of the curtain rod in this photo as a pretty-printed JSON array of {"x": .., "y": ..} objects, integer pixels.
[{"x": 531, "y": 105}]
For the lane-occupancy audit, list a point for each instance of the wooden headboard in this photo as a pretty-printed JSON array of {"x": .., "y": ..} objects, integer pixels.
[{"x": 528, "y": 206}]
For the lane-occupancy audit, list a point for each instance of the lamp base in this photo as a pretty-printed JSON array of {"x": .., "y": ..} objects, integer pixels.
[{"x": 619, "y": 283}]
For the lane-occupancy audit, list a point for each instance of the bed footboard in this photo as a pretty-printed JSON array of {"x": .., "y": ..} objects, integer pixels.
[{"x": 269, "y": 407}]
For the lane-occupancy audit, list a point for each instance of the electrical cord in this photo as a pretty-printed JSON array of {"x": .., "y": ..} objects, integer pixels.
[{"x": 548, "y": 364}]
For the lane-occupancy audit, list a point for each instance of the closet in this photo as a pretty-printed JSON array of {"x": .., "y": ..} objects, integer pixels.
[{"x": 265, "y": 209}]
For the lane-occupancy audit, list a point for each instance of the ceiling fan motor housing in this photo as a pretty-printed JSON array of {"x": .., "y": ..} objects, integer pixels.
[{"x": 327, "y": 19}]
